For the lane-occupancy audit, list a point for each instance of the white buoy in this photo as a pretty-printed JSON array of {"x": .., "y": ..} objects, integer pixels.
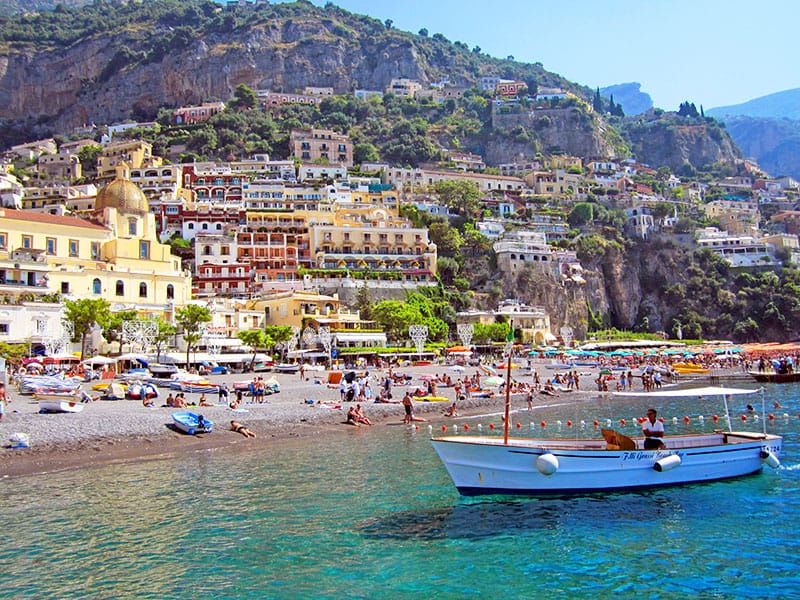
[
  {"x": 785, "y": 415},
  {"x": 583, "y": 424},
  {"x": 547, "y": 464},
  {"x": 755, "y": 418},
  {"x": 608, "y": 422},
  {"x": 701, "y": 418},
  {"x": 770, "y": 458},
  {"x": 430, "y": 428},
  {"x": 480, "y": 427},
  {"x": 674, "y": 420},
  {"x": 667, "y": 463},
  {"x": 455, "y": 428}
]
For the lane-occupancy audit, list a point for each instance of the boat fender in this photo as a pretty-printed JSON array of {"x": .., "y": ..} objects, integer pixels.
[
  {"x": 547, "y": 464},
  {"x": 770, "y": 458},
  {"x": 667, "y": 463}
]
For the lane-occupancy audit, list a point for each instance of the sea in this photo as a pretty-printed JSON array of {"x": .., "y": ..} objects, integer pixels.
[{"x": 372, "y": 513}]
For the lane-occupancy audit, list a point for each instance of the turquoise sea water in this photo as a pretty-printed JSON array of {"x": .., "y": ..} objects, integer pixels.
[{"x": 372, "y": 513}]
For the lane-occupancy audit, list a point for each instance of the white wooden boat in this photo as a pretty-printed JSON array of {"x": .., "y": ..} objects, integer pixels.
[
  {"x": 539, "y": 467},
  {"x": 62, "y": 403}
]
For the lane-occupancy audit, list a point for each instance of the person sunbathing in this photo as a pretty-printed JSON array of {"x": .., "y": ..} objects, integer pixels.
[
  {"x": 352, "y": 418},
  {"x": 360, "y": 416},
  {"x": 239, "y": 428},
  {"x": 204, "y": 401}
]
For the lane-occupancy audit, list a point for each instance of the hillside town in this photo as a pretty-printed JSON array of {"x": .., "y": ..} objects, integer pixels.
[{"x": 291, "y": 241}]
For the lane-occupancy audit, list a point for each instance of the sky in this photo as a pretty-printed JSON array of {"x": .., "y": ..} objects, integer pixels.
[{"x": 709, "y": 52}]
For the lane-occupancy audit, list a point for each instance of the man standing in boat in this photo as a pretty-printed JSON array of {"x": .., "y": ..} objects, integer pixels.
[{"x": 653, "y": 430}]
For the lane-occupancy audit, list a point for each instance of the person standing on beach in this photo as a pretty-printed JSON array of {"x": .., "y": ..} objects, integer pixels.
[
  {"x": 223, "y": 393},
  {"x": 3, "y": 400},
  {"x": 408, "y": 405}
]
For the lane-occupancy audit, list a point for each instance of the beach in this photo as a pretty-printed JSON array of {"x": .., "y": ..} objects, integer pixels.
[
  {"x": 121, "y": 430},
  {"x": 114, "y": 430}
]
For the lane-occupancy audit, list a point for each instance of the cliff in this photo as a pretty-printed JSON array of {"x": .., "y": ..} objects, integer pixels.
[{"x": 658, "y": 138}]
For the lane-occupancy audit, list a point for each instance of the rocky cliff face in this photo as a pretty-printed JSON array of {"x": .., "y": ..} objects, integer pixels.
[
  {"x": 774, "y": 143},
  {"x": 667, "y": 139},
  {"x": 573, "y": 130}
]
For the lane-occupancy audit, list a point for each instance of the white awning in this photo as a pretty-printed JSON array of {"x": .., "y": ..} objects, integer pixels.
[{"x": 690, "y": 392}]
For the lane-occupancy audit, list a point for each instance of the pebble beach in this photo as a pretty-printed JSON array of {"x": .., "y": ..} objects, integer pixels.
[{"x": 120, "y": 430}]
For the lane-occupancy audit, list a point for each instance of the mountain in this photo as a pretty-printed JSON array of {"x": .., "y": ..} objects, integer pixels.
[
  {"x": 629, "y": 95},
  {"x": 767, "y": 129},
  {"x": 113, "y": 60},
  {"x": 780, "y": 105}
]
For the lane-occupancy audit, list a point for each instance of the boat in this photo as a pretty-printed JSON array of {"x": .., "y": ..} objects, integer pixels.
[
  {"x": 684, "y": 368},
  {"x": 481, "y": 465},
  {"x": 287, "y": 368},
  {"x": 62, "y": 402},
  {"x": 540, "y": 467},
  {"x": 198, "y": 387},
  {"x": 160, "y": 371},
  {"x": 192, "y": 423},
  {"x": 775, "y": 377}
]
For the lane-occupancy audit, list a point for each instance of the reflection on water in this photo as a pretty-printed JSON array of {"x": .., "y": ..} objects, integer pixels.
[{"x": 373, "y": 513}]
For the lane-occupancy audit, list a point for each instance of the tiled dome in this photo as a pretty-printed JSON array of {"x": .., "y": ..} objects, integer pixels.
[{"x": 123, "y": 195}]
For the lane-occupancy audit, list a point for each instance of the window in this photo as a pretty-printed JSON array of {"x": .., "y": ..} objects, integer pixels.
[
  {"x": 27, "y": 241},
  {"x": 3, "y": 240},
  {"x": 96, "y": 250},
  {"x": 131, "y": 226},
  {"x": 73, "y": 247},
  {"x": 225, "y": 250},
  {"x": 50, "y": 244},
  {"x": 65, "y": 287},
  {"x": 120, "y": 288},
  {"x": 4, "y": 328},
  {"x": 143, "y": 290},
  {"x": 97, "y": 286},
  {"x": 144, "y": 250}
]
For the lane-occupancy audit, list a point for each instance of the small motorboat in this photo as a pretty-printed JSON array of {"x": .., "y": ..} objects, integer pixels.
[
  {"x": 192, "y": 423},
  {"x": 62, "y": 403},
  {"x": 287, "y": 368}
]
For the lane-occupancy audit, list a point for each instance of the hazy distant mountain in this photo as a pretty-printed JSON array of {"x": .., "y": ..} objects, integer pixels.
[
  {"x": 780, "y": 105},
  {"x": 630, "y": 96},
  {"x": 766, "y": 129},
  {"x": 14, "y": 7}
]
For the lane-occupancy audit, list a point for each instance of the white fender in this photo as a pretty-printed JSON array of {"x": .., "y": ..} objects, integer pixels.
[
  {"x": 770, "y": 458},
  {"x": 547, "y": 464},
  {"x": 667, "y": 463}
]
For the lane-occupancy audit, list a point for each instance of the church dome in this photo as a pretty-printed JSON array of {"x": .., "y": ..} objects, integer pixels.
[{"x": 124, "y": 195}]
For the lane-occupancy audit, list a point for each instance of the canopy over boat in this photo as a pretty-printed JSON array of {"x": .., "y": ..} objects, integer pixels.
[{"x": 690, "y": 392}]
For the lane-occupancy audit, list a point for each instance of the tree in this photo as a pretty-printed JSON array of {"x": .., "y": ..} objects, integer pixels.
[
  {"x": 388, "y": 23},
  {"x": 423, "y": 32},
  {"x": 597, "y": 101},
  {"x": 113, "y": 329},
  {"x": 364, "y": 301},
  {"x": 189, "y": 319},
  {"x": 461, "y": 196},
  {"x": 85, "y": 314},
  {"x": 245, "y": 97},
  {"x": 166, "y": 332},
  {"x": 255, "y": 338},
  {"x": 395, "y": 317}
]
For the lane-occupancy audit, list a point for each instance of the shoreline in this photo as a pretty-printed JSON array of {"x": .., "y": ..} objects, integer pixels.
[{"x": 112, "y": 431}]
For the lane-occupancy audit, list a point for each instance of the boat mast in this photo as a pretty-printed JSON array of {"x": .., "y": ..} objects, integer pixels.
[{"x": 510, "y": 345}]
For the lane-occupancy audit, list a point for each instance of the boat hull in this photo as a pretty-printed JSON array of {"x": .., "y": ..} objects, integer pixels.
[
  {"x": 763, "y": 377},
  {"x": 190, "y": 423},
  {"x": 481, "y": 466}
]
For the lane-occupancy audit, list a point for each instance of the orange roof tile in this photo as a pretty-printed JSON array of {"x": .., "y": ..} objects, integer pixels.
[{"x": 45, "y": 219}]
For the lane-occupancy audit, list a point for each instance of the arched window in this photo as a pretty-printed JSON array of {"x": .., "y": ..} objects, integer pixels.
[
  {"x": 97, "y": 287},
  {"x": 170, "y": 292},
  {"x": 120, "y": 288},
  {"x": 143, "y": 290}
]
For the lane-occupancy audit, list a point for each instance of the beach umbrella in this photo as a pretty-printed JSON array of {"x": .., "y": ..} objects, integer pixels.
[
  {"x": 493, "y": 380},
  {"x": 458, "y": 368}
]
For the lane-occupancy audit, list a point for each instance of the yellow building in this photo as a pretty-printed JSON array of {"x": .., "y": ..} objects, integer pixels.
[
  {"x": 131, "y": 154},
  {"x": 115, "y": 255}
]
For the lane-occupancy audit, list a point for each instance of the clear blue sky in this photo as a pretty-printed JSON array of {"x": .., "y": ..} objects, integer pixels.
[{"x": 713, "y": 53}]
